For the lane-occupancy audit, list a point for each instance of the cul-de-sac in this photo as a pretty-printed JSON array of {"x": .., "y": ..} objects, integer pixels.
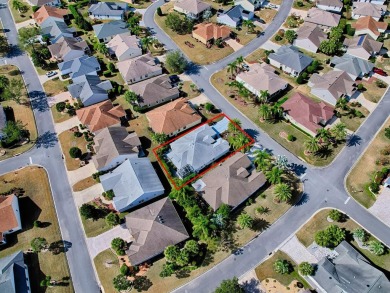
[{"x": 194, "y": 146}]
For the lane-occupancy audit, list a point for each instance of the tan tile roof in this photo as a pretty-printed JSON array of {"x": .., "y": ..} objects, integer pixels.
[
  {"x": 231, "y": 182},
  {"x": 64, "y": 45},
  {"x": 122, "y": 42},
  {"x": 332, "y": 3},
  {"x": 46, "y": 11},
  {"x": 336, "y": 82},
  {"x": 368, "y": 9},
  {"x": 364, "y": 41},
  {"x": 192, "y": 6},
  {"x": 140, "y": 66},
  {"x": 307, "y": 112},
  {"x": 8, "y": 218},
  {"x": 367, "y": 22},
  {"x": 311, "y": 32},
  {"x": 321, "y": 17},
  {"x": 100, "y": 115},
  {"x": 210, "y": 31},
  {"x": 172, "y": 116}
]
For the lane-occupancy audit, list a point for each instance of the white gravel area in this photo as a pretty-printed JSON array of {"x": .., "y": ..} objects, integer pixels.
[{"x": 297, "y": 251}]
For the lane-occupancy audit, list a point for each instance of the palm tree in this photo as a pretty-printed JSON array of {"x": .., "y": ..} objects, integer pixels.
[
  {"x": 262, "y": 159},
  {"x": 239, "y": 140},
  {"x": 323, "y": 134},
  {"x": 282, "y": 266},
  {"x": 360, "y": 234},
  {"x": 311, "y": 145},
  {"x": 263, "y": 97},
  {"x": 342, "y": 103},
  {"x": 283, "y": 192},
  {"x": 101, "y": 48},
  {"x": 232, "y": 126},
  {"x": 276, "y": 111},
  {"x": 146, "y": 42},
  {"x": 244, "y": 220},
  {"x": 249, "y": 25},
  {"x": 376, "y": 247},
  {"x": 17, "y": 5},
  {"x": 232, "y": 68},
  {"x": 274, "y": 176},
  {"x": 243, "y": 92},
  {"x": 201, "y": 228},
  {"x": 136, "y": 30},
  {"x": 339, "y": 131},
  {"x": 265, "y": 111},
  {"x": 239, "y": 61}
]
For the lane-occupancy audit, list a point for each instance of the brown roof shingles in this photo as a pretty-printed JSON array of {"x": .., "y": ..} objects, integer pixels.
[{"x": 47, "y": 11}]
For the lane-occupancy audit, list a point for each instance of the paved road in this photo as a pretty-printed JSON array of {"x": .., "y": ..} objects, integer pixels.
[
  {"x": 47, "y": 153},
  {"x": 324, "y": 187}
]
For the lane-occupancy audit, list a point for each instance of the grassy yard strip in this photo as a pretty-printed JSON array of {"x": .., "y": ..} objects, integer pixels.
[
  {"x": 94, "y": 228},
  {"x": 372, "y": 92},
  {"x": 36, "y": 204},
  {"x": 84, "y": 184},
  {"x": 68, "y": 140},
  {"x": 189, "y": 93},
  {"x": 107, "y": 267},
  {"x": 59, "y": 117},
  {"x": 266, "y": 14},
  {"x": 55, "y": 86},
  {"x": 353, "y": 123},
  {"x": 361, "y": 174},
  {"x": 20, "y": 17},
  {"x": 21, "y": 112}
]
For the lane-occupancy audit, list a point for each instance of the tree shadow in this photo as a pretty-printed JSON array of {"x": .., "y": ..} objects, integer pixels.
[
  {"x": 324, "y": 153},
  {"x": 14, "y": 51},
  {"x": 35, "y": 273},
  {"x": 46, "y": 140},
  {"x": 259, "y": 225},
  {"x": 60, "y": 246},
  {"x": 183, "y": 273},
  {"x": 44, "y": 224},
  {"x": 353, "y": 140},
  {"x": 251, "y": 286},
  {"x": 303, "y": 199},
  {"x": 192, "y": 68},
  {"x": 298, "y": 169},
  {"x": 38, "y": 101},
  {"x": 252, "y": 133}
]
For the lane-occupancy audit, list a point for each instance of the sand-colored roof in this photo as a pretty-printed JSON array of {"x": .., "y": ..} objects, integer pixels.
[
  {"x": 367, "y": 22},
  {"x": 48, "y": 11},
  {"x": 64, "y": 45},
  {"x": 365, "y": 42},
  {"x": 337, "y": 83},
  {"x": 100, "y": 115},
  {"x": 368, "y": 9},
  {"x": 210, "y": 31},
  {"x": 192, "y": 6},
  {"x": 322, "y": 17},
  {"x": 172, "y": 116},
  {"x": 307, "y": 112},
  {"x": 121, "y": 43},
  {"x": 8, "y": 218},
  {"x": 331, "y": 3},
  {"x": 311, "y": 31},
  {"x": 140, "y": 66}
]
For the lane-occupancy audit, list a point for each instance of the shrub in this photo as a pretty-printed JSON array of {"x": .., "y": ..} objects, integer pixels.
[
  {"x": 121, "y": 283},
  {"x": 305, "y": 269},
  {"x": 278, "y": 38},
  {"x": 87, "y": 211},
  {"x": 380, "y": 83},
  {"x": 360, "y": 86},
  {"x": 330, "y": 237},
  {"x": 304, "y": 75},
  {"x": 37, "y": 224},
  {"x": 107, "y": 73},
  {"x": 299, "y": 3},
  {"x": 60, "y": 106},
  {"x": 374, "y": 187},
  {"x": 387, "y": 132},
  {"x": 125, "y": 270},
  {"x": 300, "y": 79},
  {"x": 35, "y": 8},
  {"x": 118, "y": 245},
  {"x": 112, "y": 219},
  {"x": 14, "y": 72},
  {"x": 291, "y": 137},
  {"x": 382, "y": 161},
  {"x": 386, "y": 151},
  {"x": 282, "y": 266},
  {"x": 38, "y": 244},
  {"x": 75, "y": 152},
  {"x": 360, "y": 234},
  {"x": 77, "y": 134},
  {"x": 109, "y": 194},
  {"x": 335, "y": 215},
  {"x": 111, "y": 67}
]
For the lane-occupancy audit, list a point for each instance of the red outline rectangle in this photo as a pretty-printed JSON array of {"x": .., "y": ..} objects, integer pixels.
[{"x": 214, "y": 164}]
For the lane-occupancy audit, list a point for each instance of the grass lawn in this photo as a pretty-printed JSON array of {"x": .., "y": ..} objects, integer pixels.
[
  {"x": 55, "y": 86},
  {"x": 188, "y": 92},
  {"x": 319, "y": 222},
  {"x": 59, "y": 117},
  {"x": 94, "y": 228},
  {"x": 255, "y": 56},
  {"x": 20, "y": 17},
  {"x": 383, "y": 63},
  {"x": 266, "y": 14},
  {"x": 84, "y": 184},
  {"x": 273, "y": 129},
  {"x": 22, "y": 112},
  {"x": 353, "y": 123},
  {"x": 281, "y": 42},
  {"x": 36, "y": 204},
  {"x": 373, "y": 93},
  {"x": 306, "y": 4},
  {"x": 265, "y": 270},
  {"x": 107, "y": 267},
  {"x": 68, "y": 140},
  {"x": 361, "y": 174}
]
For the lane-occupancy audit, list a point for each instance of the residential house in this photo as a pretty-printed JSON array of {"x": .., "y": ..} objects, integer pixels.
[
  {"x": 9, "y": 217},
  {"x": 133, "y": 182},
  {"x": 3, "y": 121},
  {"x": 66, "y": 49},
  {"x": 380, "y": 2},
  {"x": 234, "y": 16},
  {"x": 250, "y": 5},
  {"x": 330, "y": 5},
  {"x": 290, "y": 60},
  {"x": 332, "y": 86},
  {"x": 173, "y": 118},
  {"x": 45, "y": 12},
  {"x": 306, "y": 113},
  {"x": 324, "y": 19},
  {"x": 139, "y": 68},
  {"x": 14, "y": 276},
  {"x": 362, "y": 46},
  {"x": 89, "y": 89},
  {"x": 124, "y": 46},
  {"x": 101, "y": 115},
  {"x": 355, "y": 67},
  {"x": 193, "y": 9},
  {"x": 108, "y": 30},
  {"x": 154, "y": 227},
  {"x": 262, "y": 77},
  {"x": 368, "y": 25},
  {"x": 84, "y": 65},
  {"x": 206, "y": 32},
  {"x": 107, "y": 10},
  {"x": 113, "y": 145},
  {"x": 155, "y": 90},
  {"x": 197, "y": 149},
  {"x": 231, "y": 183},
  {"x": 349, "y": 271},
  {"x": 309, "y": 37},
  {"x": 55, "y": 29},
  {"x": 44, "y": 2},
  {"x": 361, "y": 9}
]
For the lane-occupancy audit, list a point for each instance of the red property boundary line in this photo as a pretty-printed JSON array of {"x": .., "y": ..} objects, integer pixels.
[{"x": 251, "y": 141}]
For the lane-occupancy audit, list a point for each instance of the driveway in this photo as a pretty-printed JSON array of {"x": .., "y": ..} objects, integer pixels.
[
  {"x": 81, "y": 173},
  {"x": 30, "y": 22},
  {"x": 103, "y": 241},
  {"x": 67, "y": 124},
  {"x": 297, "y": 251},
  {"x": 269, "y": 45},
  {"x": 233, "y": 43},
  {"x": 370, "y": 106},
  {"x": 62, "y": 97},
  {"x": 88, "y": 194},
  {"x": 43, "y": 78},
  {"x": 251, "y": 283},
  {"x": 381, "y": 206}
]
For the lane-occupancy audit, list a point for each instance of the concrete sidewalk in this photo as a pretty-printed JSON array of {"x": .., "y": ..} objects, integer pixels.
[
  {"x": 88, "y": 194},
  {"x": 67, "y": 124},
  {"x": 81, "y": 173}
]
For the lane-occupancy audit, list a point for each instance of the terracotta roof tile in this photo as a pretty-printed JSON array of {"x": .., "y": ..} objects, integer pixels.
[
  {"x": 367, "y": 22},
  {"x": 8, "y": 218},
  {"x": 210, "y": 31},
  {"x": 47, "y": 11}
]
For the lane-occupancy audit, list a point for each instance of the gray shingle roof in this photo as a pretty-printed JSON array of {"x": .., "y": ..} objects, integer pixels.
[
  {"x": 291, "y": 57},
  {"x": 111, "y": 28},
  {"x": 55, "y": 27},
  {"x": 108, "y": 8},
  {"x": 80, "y": 66},
  {"x": 3, "y": 119},
  {"x": 352, "y": 65},
  {"x": 12, "y": 271},
  {"x": 86, "y": 86}
]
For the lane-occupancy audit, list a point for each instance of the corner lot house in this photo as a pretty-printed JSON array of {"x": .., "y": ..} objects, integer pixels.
[
  {"x": 84, "y": 65},
  {"x": 332, "y": 86},
  {"x": 262, "y": 77},
  {"x": 309, "y": 37},
  {"x": 46, "y": 11},
  {"x": 361, "y": 9},
  {"x": 206, "y": 32},
  {"x": 113, "y": 145},
  {"x": 250, "y": 5},
  {"x": 154, "y": 91},
  {"x": 137, "y": 173},
  {"x": 234, "y": 16},
  {"x": 107, "y": 10},
  {"x": 330, "y": 5},
  {"x": 66, "y": 49},
  {"x": 363, "y": 47},
  {"x": 349, "y": 271},
  {"x": 124, "y": 46},
  {"x": 107, "y": 31},
  {"x": 89, "y": 89},
  {"x": 14, "y": 274},
  {"x": 306, "y": 113},
  {"x": 173, "y": 118},
  {"x": 44, "y": 2},
  {"x": 9, "y": 216},
  {"x": 139, "y": 68},
  {"x": 196, "y": 150},
  {"x": 55, "y": 29},
  {"x": 231, "y": 183},
  {"x": 193, "y": 9},
  {"x": 355, "y": 67},
  {"x": 324, "y": 19},
  {"x": 154, "y": 227},
  {"x": 101, "y": 115},
  {"x": 368, "y": 25},
  {"x": 290, "y": 60}
]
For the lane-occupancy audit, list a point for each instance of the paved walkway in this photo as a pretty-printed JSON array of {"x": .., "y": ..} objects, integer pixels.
[
  {"x": 88, "y": 194},
  {"x": 251, "y": 283},
  {"x": 297, "y": 251},
  {"x": 81, "y": 173},
  {"x": 25, "y": 23},
  {"x": 381, "y": 206},
  {"x": 62, "y": 97},
  {"x": 103, "y": 241},
  {"x": 233, "y": 43},
  {"x": 67, "y": 124}
]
